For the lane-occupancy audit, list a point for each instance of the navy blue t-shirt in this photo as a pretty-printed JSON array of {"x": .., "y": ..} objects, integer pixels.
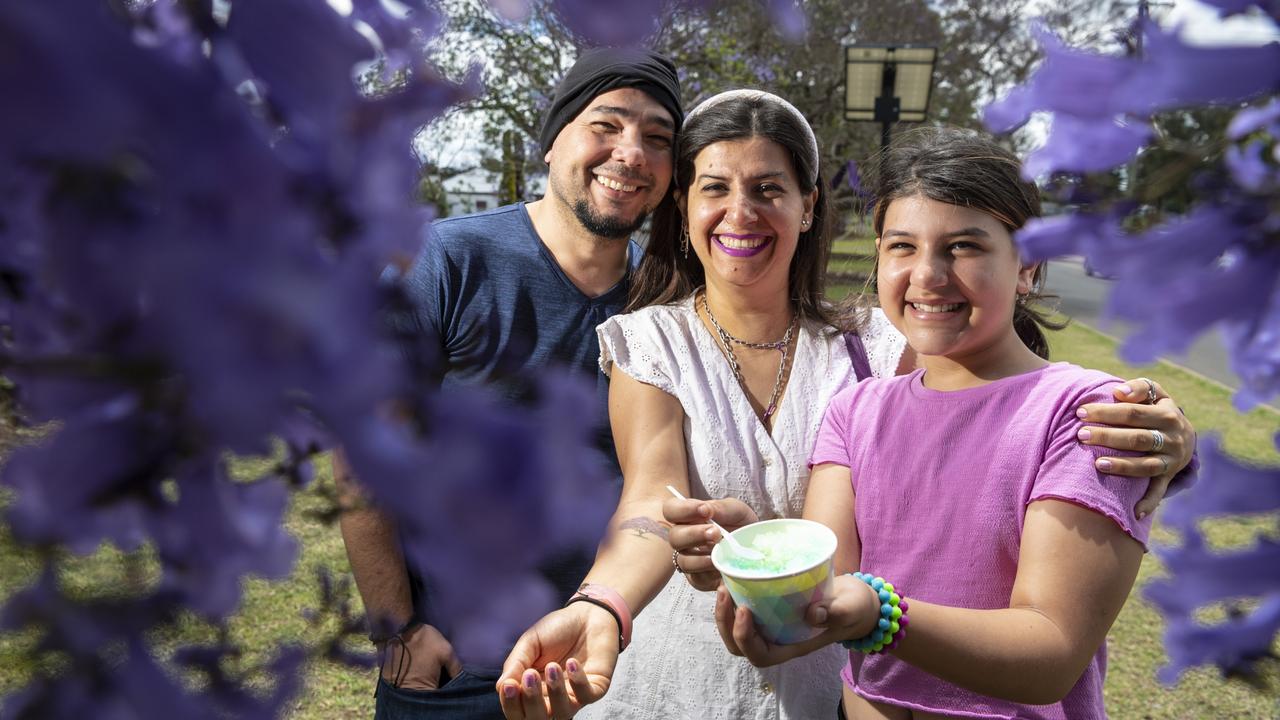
[
  {"x": 504, "y": 310},
  {"x": 487, "y": 286}
]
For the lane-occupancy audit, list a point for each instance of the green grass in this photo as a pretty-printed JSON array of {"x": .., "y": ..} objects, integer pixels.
[
  {"x": 854, "y": 245},
  {"x": 1134, "y": 646},
  {"x": 272, "y": 611}
]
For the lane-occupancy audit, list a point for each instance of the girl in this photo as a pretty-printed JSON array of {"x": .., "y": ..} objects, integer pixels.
[{"x": 963, "y": 483}]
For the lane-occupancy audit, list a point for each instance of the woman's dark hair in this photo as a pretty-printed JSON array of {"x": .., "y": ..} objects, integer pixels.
[
  {"x": 666, "y": 275},
  {"x": 966, "y": 168}
]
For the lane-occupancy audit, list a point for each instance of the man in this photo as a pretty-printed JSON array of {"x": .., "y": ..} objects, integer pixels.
[{"x": 509, "y": 292}]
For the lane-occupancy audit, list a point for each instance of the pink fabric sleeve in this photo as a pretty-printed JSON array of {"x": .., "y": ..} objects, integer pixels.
[
  {"x": 1068, "y": 473},
  {"x": 833, "y": 443}
]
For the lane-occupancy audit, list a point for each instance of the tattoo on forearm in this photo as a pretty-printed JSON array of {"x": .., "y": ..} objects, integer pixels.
[{"x": 643, "y": 527}]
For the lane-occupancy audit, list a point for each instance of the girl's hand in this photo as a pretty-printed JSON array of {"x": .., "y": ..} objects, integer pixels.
[
  {"x": 692, "y": 537},
  {"x": 1133, "y": 418},
  {"x": 850, "y": 612}
]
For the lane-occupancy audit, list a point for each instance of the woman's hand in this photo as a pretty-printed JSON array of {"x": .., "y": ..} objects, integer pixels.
[
  {"x": 850, "y": 612},
  {"x": 566, "y": 660},
  {"x": 1135, "y": 420},
  {"x": 692, "y": 537}
]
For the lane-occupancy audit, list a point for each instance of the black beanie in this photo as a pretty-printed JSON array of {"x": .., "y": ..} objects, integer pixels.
[{"x": 604, "y": 69}]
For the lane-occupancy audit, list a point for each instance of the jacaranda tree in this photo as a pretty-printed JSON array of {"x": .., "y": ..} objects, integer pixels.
[
  {"x": 1178, "y": 274},
  {"x": 198, "y": 203}
]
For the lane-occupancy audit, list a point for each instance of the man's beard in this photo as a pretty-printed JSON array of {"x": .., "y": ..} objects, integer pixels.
[{"x": 607, "y": 227}]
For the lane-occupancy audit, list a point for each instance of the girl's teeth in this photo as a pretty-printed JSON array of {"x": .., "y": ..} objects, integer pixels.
[
  {"x": 936, "y": 308},
  {"x": 615, "y": 185},
  {"x": 740, "y": 243}
]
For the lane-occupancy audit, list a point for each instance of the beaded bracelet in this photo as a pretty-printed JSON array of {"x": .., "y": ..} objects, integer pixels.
[{"x": 891, "y": 628}]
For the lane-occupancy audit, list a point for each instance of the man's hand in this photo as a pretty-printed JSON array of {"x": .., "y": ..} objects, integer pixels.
[
  {"x": 692, "y": 537},
  {"x": 566, "y": 660},
  {"x": 1133, "y": 418},
  {"x": 416, "y": 664}
]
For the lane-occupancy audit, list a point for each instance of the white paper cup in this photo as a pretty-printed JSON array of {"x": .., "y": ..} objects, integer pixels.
[{"x": 779, "y": 593}]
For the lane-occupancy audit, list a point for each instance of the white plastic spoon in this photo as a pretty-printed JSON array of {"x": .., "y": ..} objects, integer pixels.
[{"x": 738, "y": 548}]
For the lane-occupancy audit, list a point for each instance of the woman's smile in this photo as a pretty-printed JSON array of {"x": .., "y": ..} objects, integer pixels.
[{"x": 742, "y": 245}]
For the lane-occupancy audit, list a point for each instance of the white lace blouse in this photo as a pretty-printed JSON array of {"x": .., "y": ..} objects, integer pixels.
[{"x": 676, "y": 665}]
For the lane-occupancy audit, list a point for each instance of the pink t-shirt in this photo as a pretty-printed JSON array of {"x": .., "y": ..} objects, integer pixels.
[{"x": 943, "y": 480}]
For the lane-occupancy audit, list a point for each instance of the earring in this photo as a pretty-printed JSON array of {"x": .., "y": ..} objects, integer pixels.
[
  {"x": 804, "y": 223},
  {"x": 684, "y": 240}
]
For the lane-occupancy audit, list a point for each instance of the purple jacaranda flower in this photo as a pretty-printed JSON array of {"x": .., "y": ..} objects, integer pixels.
[
  {"x": 1112, "y": 141},
  {"x": 1068, "y": 80},
  {"x": 401, "y": 35},
  {"x": 1195, "y": 289},
  {"x": 1217, "y": 265},
  {"x": 1226, "y": 575},
  {"x": 1249, "y": 167},
  {"x": 1233, "y": 646},
  {"x": 1253, "y": 344},
  {"x": 163, "y": 25},
  {"x": 1108, "y": 98},
  {"x": 193, "y": 272},
  {"x": 631, "y": 23},
  {"x": 216, "y": 532},
  {"x": 115, "y": 456},
  {"x": 1236, "y": 488},
  {"x": 789, "y": 19},
  {"x": 505, "y": 505},
  {"x": 1252, "y": 119}
]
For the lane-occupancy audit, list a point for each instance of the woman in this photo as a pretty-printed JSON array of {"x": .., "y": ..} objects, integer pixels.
[{"x": 727, "y": 362}]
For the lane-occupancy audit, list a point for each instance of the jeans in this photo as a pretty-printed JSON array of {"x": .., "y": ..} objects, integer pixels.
[{"x": 469, "y": 695}]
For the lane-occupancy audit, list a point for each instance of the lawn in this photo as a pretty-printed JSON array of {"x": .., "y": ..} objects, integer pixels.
[{"x": 272, "y": 612}]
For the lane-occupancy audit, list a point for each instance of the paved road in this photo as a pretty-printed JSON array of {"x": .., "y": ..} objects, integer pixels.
[{"x": 1083, "y": 297}]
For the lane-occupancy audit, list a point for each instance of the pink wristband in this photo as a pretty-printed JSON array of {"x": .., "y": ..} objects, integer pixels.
[{"x": 610, "y": 600}]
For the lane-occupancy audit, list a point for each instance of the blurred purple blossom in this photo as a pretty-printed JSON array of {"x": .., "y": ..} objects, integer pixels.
[
  {"x": 1200, "y": 575},
  {"x": 1215, "y": 265},
  {"x": 789, "y": 18},
  {"x": 612, "y": 24},
  {"x": 1252, "y": 119},
  {"x": 1114, "y": 140},
  {"x": 195, "y": 215}
]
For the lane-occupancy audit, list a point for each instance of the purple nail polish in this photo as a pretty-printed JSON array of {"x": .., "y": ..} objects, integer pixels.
[
  {"x": 509, "y": 691},
  {"x": 1082, "y": 413},
  {"x": 1084, "y": 434},
  {"x": 531, "y": 681},
  {"x": 572, "y": 665},
  {"x": 553, "y": 674},
  {"x": 1104, "y": 464}
]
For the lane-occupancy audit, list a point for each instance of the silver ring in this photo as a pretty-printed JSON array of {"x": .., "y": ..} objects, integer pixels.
[
  {"x": 675, "y": 561},
  {"x": 1157, "y": 441},
  {"x": 1151, "y": 390}
]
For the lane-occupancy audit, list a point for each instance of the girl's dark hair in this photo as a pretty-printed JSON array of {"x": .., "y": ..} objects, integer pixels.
[
  {"x": 966, "y": 168},
  {"x": 666, "y": 275}
]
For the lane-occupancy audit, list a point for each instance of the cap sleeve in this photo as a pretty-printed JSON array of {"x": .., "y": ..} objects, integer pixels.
[
  {"x": 633, "y": 343},
  {"x": 1068, "y": 471}
]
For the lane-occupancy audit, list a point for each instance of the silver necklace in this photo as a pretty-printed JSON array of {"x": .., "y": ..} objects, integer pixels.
[{"x": 783, "y": 346}]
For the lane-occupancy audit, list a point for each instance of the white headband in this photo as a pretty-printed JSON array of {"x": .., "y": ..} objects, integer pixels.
[{"x": 751, "y": 94}]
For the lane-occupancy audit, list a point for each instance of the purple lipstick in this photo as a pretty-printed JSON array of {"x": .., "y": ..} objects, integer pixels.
[{"x": 746, "y": 247}]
